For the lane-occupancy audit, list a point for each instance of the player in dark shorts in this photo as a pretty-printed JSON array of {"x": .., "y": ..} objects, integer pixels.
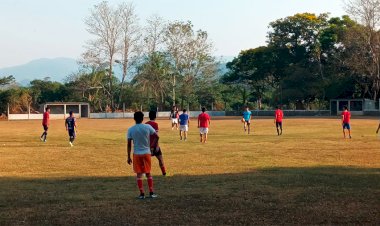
[
  {"x": 45, "y": 124},
  {"x": 71, "y": 126},
  {"x": 154, "y": 147}
]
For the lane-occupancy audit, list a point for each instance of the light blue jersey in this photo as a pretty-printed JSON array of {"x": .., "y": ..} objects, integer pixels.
[
  {"x": 247, "y": 115},
  {"x": 140, "y": 134}
]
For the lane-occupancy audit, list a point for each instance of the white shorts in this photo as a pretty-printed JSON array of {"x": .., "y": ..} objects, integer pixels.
[
  {"x": 184, "y": 128},
  {"x": 174, "y": 120},
  {"x": 203, "y": 130}
]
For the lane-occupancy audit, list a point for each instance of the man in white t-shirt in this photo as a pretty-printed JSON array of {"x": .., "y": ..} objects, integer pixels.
[{"x": 140, "y": 134}]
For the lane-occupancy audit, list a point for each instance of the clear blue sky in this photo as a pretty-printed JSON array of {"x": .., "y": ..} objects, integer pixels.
[{"x": 32, "y": 29}]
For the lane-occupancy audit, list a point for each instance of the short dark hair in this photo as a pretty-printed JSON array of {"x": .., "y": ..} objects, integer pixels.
[
  {"x": 203, "y": 109},
  {"x": 47, "y": 108},
  {"x": 71, "y": 113},
  {"x": 152, "y": 115},
  {"x": 345, "y": 107},
  {"x": 278, "y": 107},
  {"x": 184, "y": 110},
  {"x": 138, "y": 117}
]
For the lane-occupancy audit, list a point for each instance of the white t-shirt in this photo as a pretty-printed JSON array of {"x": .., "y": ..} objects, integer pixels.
[{"x": 140, "y": 134}]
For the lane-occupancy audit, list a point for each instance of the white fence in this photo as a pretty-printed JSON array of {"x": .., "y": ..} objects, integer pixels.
[
  {"x": 146, "y": 114},
  {"x": 37, "y": 116},
  {"x": 106, "y": 115}
]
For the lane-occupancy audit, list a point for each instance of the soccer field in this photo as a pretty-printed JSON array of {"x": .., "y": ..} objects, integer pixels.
[{"x": 309, "y": 175}]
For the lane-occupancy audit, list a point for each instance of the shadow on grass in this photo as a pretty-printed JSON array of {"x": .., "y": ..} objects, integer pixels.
[{"x": 325, "y": 195}]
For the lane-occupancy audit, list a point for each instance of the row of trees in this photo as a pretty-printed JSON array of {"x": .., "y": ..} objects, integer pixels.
[
  {"x": 308, "y": 60},
  {"x": 157, "y": 60}
]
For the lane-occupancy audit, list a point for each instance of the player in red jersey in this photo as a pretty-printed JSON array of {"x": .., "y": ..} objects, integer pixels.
[
  {"x": 203, "y": 124},
  {"x": 279, "y": 115},
  {"x": 154, "y": 147},
  {"x": 45, "y": 124},
  {"x": 346, "y": 115}
]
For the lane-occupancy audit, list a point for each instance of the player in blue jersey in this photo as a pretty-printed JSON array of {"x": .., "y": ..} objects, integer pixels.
[
  {"x": 247, "y": 119},
  {"x": 184, "y": 121},
  {"x": 71, "y": 127}
]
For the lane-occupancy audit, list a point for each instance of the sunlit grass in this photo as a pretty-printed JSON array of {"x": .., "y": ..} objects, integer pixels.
[{"x": 308, "y": 175}]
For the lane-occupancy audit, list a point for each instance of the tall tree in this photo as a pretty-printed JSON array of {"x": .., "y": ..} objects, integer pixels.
[
  {"x": 105, "y": 24},
  {"x": 364, "y": 43},
  {"x": 130, "y": 47},
  {"x": 153, "y": 77},
  {"x": 191, "y": 56}
]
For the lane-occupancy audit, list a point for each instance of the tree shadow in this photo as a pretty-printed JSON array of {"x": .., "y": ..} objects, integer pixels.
[{"x": 270, "y": 196}]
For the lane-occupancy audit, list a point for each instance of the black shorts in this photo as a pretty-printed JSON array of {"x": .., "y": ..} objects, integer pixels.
[
  {"x": 71, "y": 133},
  {"x": 278, "y": 124},
  {"x": 154, "y": 152},
  {"x": 45, "y": 127}
]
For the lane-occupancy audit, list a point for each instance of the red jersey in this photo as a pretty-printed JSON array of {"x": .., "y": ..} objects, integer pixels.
[
  {"x": 346, "y": 116},
  {"x": 279, "y": 115},
  {"x": 155, "y": 127},
  {"x": 203, "y": 119},
  {"x": 45, "y": 120}
]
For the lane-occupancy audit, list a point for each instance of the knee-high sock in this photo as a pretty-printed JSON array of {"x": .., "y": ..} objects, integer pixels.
[
  {"x": 140, "y": 184},
  {"x": 150, "y": 184}
]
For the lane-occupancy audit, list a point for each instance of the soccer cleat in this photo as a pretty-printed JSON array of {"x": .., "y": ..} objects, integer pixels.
[
  {"x": 71, "y": 144},
  {"x": 141, "y": 196},
  {"x": 152, "y": 195},
  {"x": 41, "y": 139}
]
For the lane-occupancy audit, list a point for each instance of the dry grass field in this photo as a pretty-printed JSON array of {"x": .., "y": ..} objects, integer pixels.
[{"x": 309, "y": 175}]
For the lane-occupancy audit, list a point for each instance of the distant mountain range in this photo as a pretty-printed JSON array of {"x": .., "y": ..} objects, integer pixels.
[{"x": 57, "y": 69}]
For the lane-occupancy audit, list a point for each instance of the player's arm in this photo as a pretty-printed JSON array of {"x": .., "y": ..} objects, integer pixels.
[
  {"x": 188, "y": 122},
  {"x": 378, "y": 128},
  {"x": 66, "y": 124},
  {"x": 198, "y": 122},
  {"x": 75, "y": 125},
  {"x": 129, "y": 150}
]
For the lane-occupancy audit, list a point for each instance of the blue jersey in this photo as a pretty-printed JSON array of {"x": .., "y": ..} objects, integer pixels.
[
  {"x": 247, "y": 115},
  {"x": 183, "y": 119},
  {"x": 70, "y": 121}
]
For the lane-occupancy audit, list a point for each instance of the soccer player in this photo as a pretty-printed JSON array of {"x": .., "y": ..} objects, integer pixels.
[
  {"x": 203, "y": 124},
  {"x": 45, "y": 124},
  {"x": 174, "y": 118},
  {"x": 140, "y": 135},
  {"x": 346, "y": 115},
  {"x": 279, "y": 115},
  {"x": 184, "y": 122},
  {"x": 154, "y": 147},
  {"x": 71, "y": 127},
  {"x": 247, "y": 119}
]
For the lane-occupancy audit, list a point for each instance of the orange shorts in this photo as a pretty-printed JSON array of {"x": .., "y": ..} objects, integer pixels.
[{"x": 142, "y": 163}]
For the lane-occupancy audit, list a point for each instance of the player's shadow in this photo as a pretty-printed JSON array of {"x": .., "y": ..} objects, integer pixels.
[{"x": 273, "y": 196}]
